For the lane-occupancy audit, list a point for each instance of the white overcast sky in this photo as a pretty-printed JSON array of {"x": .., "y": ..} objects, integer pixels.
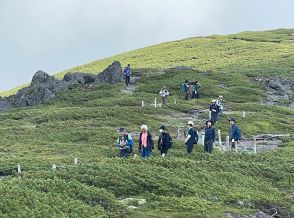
[{"x": 54, "y": 35}]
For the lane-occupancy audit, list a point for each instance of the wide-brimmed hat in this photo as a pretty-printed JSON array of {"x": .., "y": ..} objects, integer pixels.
[
  {"x": 191, "y": 123},
  {"x": 208, "y": 121},
  {"x": 213, "y": 100},
  {"x": 232, "y": 119}
]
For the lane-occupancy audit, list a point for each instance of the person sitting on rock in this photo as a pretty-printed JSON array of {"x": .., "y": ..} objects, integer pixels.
[
  {"x": 164, "y": 94},
  {"x": 124, "y": 143},
  {"x": 209, "y": 137},
  {"x": 127, "y": 73},
  {"x": 164, "y": 142},
  {"x": 234, "y": 133}
]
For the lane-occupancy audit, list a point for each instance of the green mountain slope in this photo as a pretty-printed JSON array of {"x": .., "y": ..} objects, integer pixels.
[{"x": 82, "y": 123}]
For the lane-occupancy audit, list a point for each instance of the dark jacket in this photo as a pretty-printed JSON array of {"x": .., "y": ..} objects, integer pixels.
[
  {"x": 164, "y": 142},
  {"x": 150, "y": 144},
  {"x": 235, "y": 133},
  {"x": 209, "y": 134},
  {"x": 214, "y": 107}
]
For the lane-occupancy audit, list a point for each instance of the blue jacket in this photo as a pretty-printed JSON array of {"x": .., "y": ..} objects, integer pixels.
[
  {"x": 127, "y": 71},
  {"x": 235, "y": 133},
  {"x": 126, "y": 138},
  {"x": 209, "y": 134}
]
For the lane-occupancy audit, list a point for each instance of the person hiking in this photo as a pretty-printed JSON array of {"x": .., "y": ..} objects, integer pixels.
[
  {"x": 197, "y": 89},
  {"x": 127, "y": 73},
  {"x": 124, "y": 143},
  {"x": 214, "y": 110},
  {"x": 164, "y": 94},
  {"x": 234, "y": 133},
  {"x": 219, "y": 104},
  {"x": 186, "y": 89},
  {"x": 145, "y": 142},
  {"x": 193, "y": 96},
  {"x": 209, "y": 137},
  {"x": 164, "y": 142},
  {"x": 190, "y": 137}
]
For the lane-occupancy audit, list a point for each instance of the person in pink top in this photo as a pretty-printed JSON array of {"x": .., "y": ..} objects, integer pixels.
[{"x": 145, "y": 142}]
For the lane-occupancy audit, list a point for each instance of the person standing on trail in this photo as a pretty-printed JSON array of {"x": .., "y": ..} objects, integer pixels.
[
  {"x": 164, "y": 94},
  {"x": 209, "y": 137},
  {"x": 145, "y": 142},
  {"x": 190, "y": 137},
  {"x": 164, "y": 142},
  {"x": 214, "y": 110},
  {"x": 124, "y": 143},
  {"x": 186, "y": 89},
  {"x": 195, "y": 90},
  {"x": 234, "y": 133},
  {"x": 219, "y": 104},
  {"x": 127, "y": 73}
]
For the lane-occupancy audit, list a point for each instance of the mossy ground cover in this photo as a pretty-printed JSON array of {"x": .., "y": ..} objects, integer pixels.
[{"x": 82, "y": 123}]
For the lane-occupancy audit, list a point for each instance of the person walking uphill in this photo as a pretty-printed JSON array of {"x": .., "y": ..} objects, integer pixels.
[
  {"x": 190, "y": 137},
  {"x": 214, "y": 109},
  {"x": 234, "y": 133},
  {"x": 209, "y": 137},
  {"x": 164, "y": 94},
  {"x": 145, "y": 142},
  {"x": 127, "y": 73},
  {"x": 164, "y": 142},
  {"x": 124, "y": 143}
]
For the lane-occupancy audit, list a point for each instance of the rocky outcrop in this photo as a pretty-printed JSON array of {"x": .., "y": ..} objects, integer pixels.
[
  {"x": 280, "y": 91},
  {"x": 44, "y": 88}
]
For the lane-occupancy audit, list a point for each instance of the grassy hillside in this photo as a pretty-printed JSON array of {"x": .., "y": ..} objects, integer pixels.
[{"x": 82, "y": 123}]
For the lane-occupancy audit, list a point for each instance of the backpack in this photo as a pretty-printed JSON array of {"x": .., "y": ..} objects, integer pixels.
[
  {"x": 126, "y": 71},
  {"x": 170, "y": 141},
  {"x": 195, "y": 137},
  {"x": 131, "y": 144}
]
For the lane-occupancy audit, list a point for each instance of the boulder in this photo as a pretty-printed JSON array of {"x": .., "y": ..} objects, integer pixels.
[{"x": 112, "y": 74}]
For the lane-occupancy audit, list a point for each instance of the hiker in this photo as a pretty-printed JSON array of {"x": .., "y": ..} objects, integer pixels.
[
  {"x": 145, "y": 142},
  {"x": 124, "y": 143},
  {"x": 127, "y": 73},
  {"x": 234, "y": 133},
  {"x": 186, "y": 89},
  {"x": 219, "y": 104},
  {"x": 164, "y": 94},
  {"x": 190, "y": 137},
  {"x": 209, "y": 137},
  {"x": 164, "y": 142},
  {"x": 195, "y": 90},
  {"x": 214, "y": 111}
]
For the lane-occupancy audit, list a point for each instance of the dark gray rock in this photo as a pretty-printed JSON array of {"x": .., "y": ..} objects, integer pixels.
[
  {"x": 280, "y": 91},
  {"x": 4, "y": 104},
  {"x": 44, "y": 87},
  {"x": 112, "y": 74}
]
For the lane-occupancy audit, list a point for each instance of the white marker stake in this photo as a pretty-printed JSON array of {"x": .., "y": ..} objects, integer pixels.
[
  {"x": 53, "y": 166},
  {"x": 203, "y": 137},
  {"x": 228, "y": 143},
  {"x": 18, "y": 169},
  {"x": 219, "y": 139},
  {"x": 155, "y": 103},
  {"x": 255, "y": 147},
  {"x": 236, "y": 146},
  {"x": 142, "y": 103},
  {"x": 76, "y": 161},
  {"x": 175, "y": 101},
  {"x": 244, "y": 114},
  {"x": 178, "y": 133},
  {"x": 209, "y": 115}
]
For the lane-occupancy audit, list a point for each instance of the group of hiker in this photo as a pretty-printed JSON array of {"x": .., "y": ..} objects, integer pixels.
[
  {"x": 125, "y": 142},
  {"x": 191, "y": 90}
]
